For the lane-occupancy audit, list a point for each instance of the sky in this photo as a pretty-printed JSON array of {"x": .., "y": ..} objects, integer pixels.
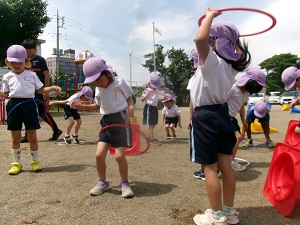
[{"x": 121, "y": 32}]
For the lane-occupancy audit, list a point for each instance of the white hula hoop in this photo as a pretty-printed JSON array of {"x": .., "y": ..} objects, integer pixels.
[
  {"x": 244, "y": 161},
  {"x": 73, "y": 143}
]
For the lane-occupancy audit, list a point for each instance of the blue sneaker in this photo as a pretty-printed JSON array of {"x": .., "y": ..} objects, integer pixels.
[{"x": 200, "y": 175}]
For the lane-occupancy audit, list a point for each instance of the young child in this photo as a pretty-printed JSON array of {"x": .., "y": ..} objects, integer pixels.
[
  {"x": 113, "y": 97},
  {"x": 221, "y": 57},
  {"x": 252, "y": 82},
  {"x": 260, "y": 111},
  {"x": 291, "y": 79},
  {"x": 170, "y": 116},
  {"x": 19, "y": 87},
  {"x": 150, "y": 114},
  {"x": 72, "y": 114}
]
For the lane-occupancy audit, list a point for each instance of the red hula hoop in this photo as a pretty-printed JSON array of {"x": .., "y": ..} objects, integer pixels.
[
  {"x": 246, "y": 9},
  {"x": 130, "y": 127}
]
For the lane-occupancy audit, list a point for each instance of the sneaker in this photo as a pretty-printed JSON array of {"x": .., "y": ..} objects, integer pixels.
[
  {"x": 168, "y": 136},
  {"x": 270, "y": 144},
  {"x": 55, "y": 135},
  {"x": 24, "y": 139},
  {"x": 36, "y": 166},
  {"x": 174, "y": 136},
  {"x": 126, "y": 189},
  {"x": 75, "y": 138},
  {"x": 100, "y": 188},
  {"x": 67, "y": 139},
  {"x": 232, "y": 217},
  {"x": 236, "y": 166},
  {"x": 248, "y": 143},
  {"x": 208, "y": 219},
  {"x": 200, "y": 175},
  {"x": 154, "y": 141},
  {"x": 16, "y": 168}
]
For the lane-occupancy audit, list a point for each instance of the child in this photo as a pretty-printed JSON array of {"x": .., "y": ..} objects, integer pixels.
[
  {"x": 260, "y": 111},
  {"x": 171, "y": 116},
  {"x": 113, "y": 97},
  {"x": 291, "y": 79},
  {"x": 252, "y": 82},
  {"x": 221, "y": 57},
  {"x": 39, "y": 66},
  {"x": 150, "y": 115},
  {"x": 72, "y": 114},
  {"x": 19, "y": 86}
]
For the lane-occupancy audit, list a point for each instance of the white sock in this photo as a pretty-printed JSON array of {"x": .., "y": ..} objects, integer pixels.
[
  {"x": 16, "y": 154},
  {"x": 34, "y": 155}
]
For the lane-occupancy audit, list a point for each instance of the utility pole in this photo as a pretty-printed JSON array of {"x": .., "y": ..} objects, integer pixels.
[
  {"x": 130, "y": 68},
  {"x": 57, "y": 48}
]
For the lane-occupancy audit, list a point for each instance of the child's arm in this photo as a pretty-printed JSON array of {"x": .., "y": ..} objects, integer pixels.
[
  {"x": 4, "y": 94},
  {"x": 202, "y": 36},
  {"x": 44, "y": 90},
  {"x": 58, "y": 102},
  {"x": 91, "y": 107},
  {"x": 191, "y": 114},
  {"x": 244, "y": 121},
  {"x": 163, "y": 120},
  {"x": 130, "y": 109},
  {"x": 179, "y": 121},
  {"x": 295, "y": 102}
]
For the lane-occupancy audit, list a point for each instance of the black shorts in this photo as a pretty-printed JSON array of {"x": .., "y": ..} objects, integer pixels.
[
  {"x": 117, "y": 137},
  {"x": 150, "y": 115},
  {"x": 211, "y": 133},
  {"x": 174, "y": 120},
  {"x": 19, "y": 113},
  {"x": 70, "y": 112},
  {"x": 235, "y": 124}
]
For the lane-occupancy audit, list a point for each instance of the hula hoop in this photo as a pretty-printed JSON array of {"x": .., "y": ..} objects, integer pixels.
[
  {"x": 246, "y": 9},
  {"x": 243, "y": 160},
  {"x": 132, "y": 128},
  {"x": 73, "y": 143},
  {"x": 28, "y": 100}
]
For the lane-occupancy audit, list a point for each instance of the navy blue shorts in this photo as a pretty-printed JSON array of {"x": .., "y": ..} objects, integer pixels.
[
  {"x": 174, "y": 120},
  {"x": 116, "y": 137},
  {"x": 250, "y": 116},
  {"x": 70, "y": 112},
  {"x": 150, "y": 115},
  {"x": 211, "y": 133},
  {"x": 235, "y": 124},
  {"x": 26, "y": 113}
]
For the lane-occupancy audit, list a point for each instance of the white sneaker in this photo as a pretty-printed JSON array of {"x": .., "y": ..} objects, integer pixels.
[
  {"x": 126, "y": 189},
  {"x": 236, "y": 166},
  {"x": 100, "y": 188},
  {"x": 207, "y": 219}
]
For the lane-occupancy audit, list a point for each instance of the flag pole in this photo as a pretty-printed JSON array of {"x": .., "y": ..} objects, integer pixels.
[{"x": 154, "y": 63}]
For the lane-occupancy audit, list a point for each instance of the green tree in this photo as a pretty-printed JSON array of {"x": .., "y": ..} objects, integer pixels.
[
  {"x": 177, "y": 73},
  {"x": 159, "y": 61},
  {"x": 19, "y": 20},
  {"x": 275, "y": 66}
]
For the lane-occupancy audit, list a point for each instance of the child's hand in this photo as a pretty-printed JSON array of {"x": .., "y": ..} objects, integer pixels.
[
  {"x": 179, "y": 125},
  {"x": 51, "y": 103},
  {"x": 212, "y": 12},
  {"x": 188, "y": 126},
  {"x": 57, "y": 89},
  {"x": 162, "y": 124}
]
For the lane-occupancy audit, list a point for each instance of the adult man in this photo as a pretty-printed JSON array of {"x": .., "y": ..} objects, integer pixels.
[{"x": 39, "y": 66}]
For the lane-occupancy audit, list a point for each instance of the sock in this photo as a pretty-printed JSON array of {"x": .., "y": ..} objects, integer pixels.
[
  {"x": 67, "y": 135},
  {"x": 34, "y": 155},
  {"x": 217, "y": 215},
  {"x": 16, "y": 154},
  {"x": 227, "y": 209}
]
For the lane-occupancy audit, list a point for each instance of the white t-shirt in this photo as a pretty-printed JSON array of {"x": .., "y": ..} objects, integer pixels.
[
  {"x": 212, "y": 81},
  {"x": 73, "y": 98},
  {"x": 152, "y": 99},
  {"x": 113, "y": 99},
  {"x": 21, "y": 85},
  {"x": 171, "y": 112},
  {"x": 236, "y": 99}
]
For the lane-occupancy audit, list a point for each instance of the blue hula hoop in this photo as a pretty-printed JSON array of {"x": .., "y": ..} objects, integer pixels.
[{"x": 28, "y": 100}]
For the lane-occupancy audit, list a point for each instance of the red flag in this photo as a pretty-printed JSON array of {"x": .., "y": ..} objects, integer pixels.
[{"x": 157, "y": 30}]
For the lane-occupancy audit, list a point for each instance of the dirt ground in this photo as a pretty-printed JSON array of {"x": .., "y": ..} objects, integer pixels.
[{"x": 166, "y": 193}]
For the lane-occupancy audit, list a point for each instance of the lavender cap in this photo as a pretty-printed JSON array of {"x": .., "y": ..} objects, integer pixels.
[
  {"x": 289, "y": 76},
  {"x": 252, "y": 74}
]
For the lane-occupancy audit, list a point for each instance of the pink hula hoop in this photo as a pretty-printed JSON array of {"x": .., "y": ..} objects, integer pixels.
[{"x": 246, "y": 9}]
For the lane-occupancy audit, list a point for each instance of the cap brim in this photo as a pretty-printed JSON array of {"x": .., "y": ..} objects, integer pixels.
[
  {"x": 290, "y": 86},
  {"x": 16, "y": 59},
  {"x": 91, "y": 79}
]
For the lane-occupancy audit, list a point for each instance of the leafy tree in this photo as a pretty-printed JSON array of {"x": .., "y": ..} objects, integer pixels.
[
  {"x": 177, "y": 73},
  {"x": 159, "y": 61},
  {"x": 275, "y": 66},
  {"x": 19, "y": 20}
]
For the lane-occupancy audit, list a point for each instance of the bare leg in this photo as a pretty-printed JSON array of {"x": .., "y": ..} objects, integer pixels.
[
  {"x": 101, "y": 152},
  {"x": 122, "y": 162}
]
